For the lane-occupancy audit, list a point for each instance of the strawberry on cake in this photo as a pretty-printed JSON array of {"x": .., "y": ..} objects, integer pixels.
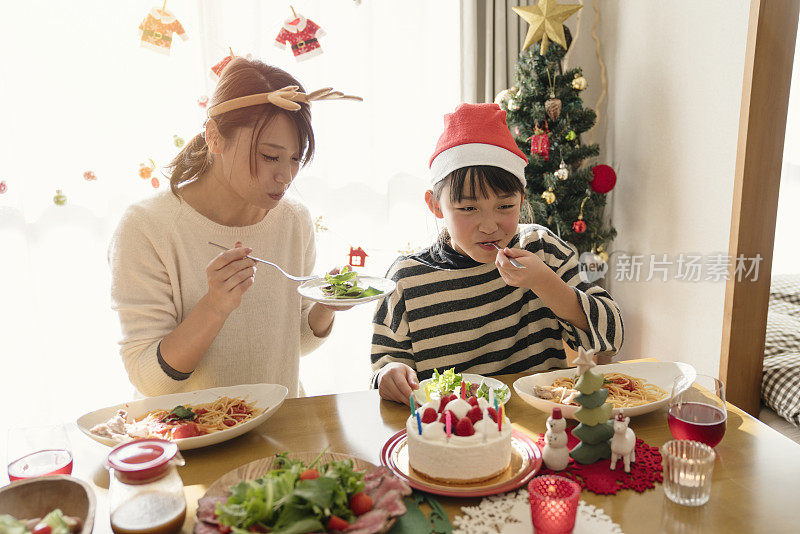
[{"x": 476, "y": 450}]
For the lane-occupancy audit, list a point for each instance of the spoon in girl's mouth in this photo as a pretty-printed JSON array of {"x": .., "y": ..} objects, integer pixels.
[{"x": 514, "y": 262}]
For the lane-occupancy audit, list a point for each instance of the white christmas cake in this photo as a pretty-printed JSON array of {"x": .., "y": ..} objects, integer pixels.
[{"x": 476, "y": 449}]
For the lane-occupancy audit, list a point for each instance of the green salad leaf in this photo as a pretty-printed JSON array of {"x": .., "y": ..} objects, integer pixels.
[
  {"x": 9, "y": 525},
  {"x": 450, "y": 382},
  {"x": 345, "y": 286},
  {"x": 284, "y": 504}
]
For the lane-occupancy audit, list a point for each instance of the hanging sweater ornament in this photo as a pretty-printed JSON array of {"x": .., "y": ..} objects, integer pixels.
[
  {"x": 157, "y": 28},
  {"x": 540, "y": 142},
  {"x": 301, "y": 34}
]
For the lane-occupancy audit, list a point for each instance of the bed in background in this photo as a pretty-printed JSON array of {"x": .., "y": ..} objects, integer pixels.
[{"x": 780, "y": 383}]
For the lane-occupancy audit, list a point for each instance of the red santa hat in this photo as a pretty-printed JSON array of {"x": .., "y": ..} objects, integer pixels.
[{"x": 476, "y": 134}]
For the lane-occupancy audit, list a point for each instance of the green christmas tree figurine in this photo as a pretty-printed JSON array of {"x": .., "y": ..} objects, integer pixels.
[{"x": 595, "y": 430}]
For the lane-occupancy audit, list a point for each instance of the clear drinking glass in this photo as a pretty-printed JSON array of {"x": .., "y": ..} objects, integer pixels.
[
  {"x": 38, "y": 451},
  {"x": 688, "y": 466},
  {"x": 697, "y": 409}
]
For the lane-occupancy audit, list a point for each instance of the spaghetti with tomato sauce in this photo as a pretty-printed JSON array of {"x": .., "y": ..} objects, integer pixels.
[
  {"x": 624, "y": 391},
  {"x": 198, "y": 420}
]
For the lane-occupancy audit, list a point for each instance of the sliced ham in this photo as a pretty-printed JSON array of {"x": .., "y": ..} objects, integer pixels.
[
  {"x": 392, "y": 503},
  {"x": 206, "y": 509},
  {"x": 389, "y": 483},
  {"x": 372, "y": 522},
  {"x": 373, "y": 478}
]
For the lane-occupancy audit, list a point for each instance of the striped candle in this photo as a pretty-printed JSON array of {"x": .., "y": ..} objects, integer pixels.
[{"x": 448, "y": 424}]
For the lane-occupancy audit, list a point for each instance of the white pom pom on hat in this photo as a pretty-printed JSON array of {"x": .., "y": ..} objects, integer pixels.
[{"x": 476, "y": 134}]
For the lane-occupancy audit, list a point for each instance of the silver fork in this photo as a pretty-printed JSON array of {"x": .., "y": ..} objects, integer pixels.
[
  {"x": 287, "y": 275},
  {"x": 514, "y": 262}
]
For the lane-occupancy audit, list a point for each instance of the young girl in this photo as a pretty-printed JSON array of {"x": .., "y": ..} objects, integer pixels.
[
  {"x": 193, "y": 317},
  {"x": 461, "y": 303}
]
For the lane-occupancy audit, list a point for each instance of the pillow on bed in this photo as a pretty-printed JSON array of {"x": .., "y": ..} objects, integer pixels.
[
  {"x": 780, "y": 385},
  {"x": 783, "y": 333},
  {"x": 785, "y": 287}
]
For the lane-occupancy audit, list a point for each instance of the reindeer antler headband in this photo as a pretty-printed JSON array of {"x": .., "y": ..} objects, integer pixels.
[{"x": 286, "y": 98}]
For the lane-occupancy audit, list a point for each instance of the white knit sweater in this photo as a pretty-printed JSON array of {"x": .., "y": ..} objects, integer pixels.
[{"x": 158, "y": 258}]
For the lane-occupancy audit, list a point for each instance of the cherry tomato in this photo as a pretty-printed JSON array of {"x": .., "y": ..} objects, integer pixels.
[
  {"x": 337, "y": 523},
  {"x": 186, "y": 430},
  {"x": 42, "y": 528},
  {"x": 309, "y": 474},
  {"x": 360, "y": 503}
]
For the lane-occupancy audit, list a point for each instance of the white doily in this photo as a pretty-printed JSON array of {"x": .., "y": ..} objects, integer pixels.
[{"x": 510, "y": 513}]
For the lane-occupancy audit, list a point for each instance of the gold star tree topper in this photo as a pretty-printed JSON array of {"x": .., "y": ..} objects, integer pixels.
[{"x": 546, "y": 21}]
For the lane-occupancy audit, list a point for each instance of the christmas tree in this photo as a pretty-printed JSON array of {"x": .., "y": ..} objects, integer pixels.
[{"x": 547, "y": 117}]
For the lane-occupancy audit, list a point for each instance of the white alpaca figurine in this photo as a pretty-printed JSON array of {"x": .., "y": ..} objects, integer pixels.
[
  {"x": 622, "y": 443},
  {"x": 555, "y": 454}
]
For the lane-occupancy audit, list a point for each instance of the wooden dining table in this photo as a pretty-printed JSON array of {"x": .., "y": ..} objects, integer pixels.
[{"x": 755, "y": 488}]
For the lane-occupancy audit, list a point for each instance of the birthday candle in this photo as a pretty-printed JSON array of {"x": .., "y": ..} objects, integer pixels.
[
  {"x": 485, "y": 422},
  {"x": 463, "y": 390},
  {"x": 492, "y": 400},
  {"x": 447, "y": 423},
  {"x": 419, "y": 424},
  {"x": 411, "y": 403},
  {"x": 500, "y": 419}
]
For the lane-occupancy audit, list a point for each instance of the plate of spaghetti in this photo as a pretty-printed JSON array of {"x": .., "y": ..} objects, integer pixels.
[
  {"x": 634, "y": 388},
  {"x": 193, "y": 419}
]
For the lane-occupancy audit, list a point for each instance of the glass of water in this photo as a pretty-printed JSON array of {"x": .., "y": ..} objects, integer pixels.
[{"x": 688, "y": 466}]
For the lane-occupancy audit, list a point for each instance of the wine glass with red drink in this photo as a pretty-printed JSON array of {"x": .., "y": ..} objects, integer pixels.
[
  {"x": 38, "y": 451},
  {"x": 697, "y": 409}
]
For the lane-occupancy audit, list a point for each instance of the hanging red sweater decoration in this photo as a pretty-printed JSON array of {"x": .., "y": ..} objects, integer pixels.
[{"x": 540, "y": 142}]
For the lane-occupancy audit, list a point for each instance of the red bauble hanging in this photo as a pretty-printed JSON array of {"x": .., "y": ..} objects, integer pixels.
[
  {"x": 540, "y": 142},
  {"x": 604, "y": 179},
  {"x": 579, "y": 226}
]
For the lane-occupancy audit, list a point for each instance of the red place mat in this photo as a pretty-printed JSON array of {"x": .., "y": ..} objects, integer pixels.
[{"x": 599, "y": 479}]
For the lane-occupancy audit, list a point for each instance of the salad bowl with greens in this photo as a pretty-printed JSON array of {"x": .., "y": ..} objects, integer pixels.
[{"x": 449, "y": 383}]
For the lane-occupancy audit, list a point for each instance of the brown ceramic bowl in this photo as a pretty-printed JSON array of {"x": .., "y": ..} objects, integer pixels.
[{"x": 37, "y": 497}]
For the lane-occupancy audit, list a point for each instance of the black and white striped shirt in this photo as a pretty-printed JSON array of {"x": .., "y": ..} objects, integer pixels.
[{"x": 451, "y": 311}]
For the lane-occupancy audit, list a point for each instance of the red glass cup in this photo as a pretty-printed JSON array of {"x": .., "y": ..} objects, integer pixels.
[{"x": 554, "y": 504}]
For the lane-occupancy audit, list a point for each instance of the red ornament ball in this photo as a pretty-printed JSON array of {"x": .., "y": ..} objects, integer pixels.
[
  {"x": 604, "y": 179},
  {"x": 3, "y": 187},
  {"x": 579, "y": 226}
]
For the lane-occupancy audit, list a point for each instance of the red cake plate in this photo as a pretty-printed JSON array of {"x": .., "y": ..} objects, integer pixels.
[{"x": 526, "y": 460}]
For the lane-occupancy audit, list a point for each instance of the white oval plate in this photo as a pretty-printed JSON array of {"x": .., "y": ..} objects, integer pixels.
[
  {"x": 313, "y": 290},
  {"x": 267, "y": 397},
  {"x": 659, "y": 373},
  {"x": 419, "y": 394}
]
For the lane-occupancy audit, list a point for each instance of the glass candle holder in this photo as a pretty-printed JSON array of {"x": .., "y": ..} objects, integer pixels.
[
  {"x": 554, "y": 503},
  {"x": 688, "y": 466}
]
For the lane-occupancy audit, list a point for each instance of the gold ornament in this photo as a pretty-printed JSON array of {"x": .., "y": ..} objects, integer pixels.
[
  {"x": 553, "y": 107},
  {"x": 546, "y": 21},
  {"x": 579, "y": 83},
  {"x": 603, "y": 256},
  {"x": 562, "y": 173},
  {"x": 60, "y": 199},
  {"x": 570, "y": 136},
  {"x": 549, "y": 196}
]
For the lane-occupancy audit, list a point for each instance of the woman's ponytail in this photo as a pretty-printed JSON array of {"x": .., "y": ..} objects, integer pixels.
[{"x": 190, "y": 162}]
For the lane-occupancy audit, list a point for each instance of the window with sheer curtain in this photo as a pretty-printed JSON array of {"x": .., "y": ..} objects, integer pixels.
[{"x": 79, "y": 94}]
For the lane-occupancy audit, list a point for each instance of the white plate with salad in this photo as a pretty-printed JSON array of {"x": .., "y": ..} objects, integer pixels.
[
  {"x": 347, "y": 288},
  {"x": 449, "y": 382}
]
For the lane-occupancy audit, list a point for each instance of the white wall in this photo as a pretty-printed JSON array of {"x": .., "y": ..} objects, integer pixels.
[{"x": 674, "y": 89}]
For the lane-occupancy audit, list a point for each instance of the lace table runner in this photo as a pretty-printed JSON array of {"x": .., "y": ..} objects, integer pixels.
[{"x": 510, "y": 513}]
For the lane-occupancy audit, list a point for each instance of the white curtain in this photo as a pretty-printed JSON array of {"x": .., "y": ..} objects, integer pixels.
[
  {"x": 492, "y": 35},
  {"x": 79, "y": 94}
]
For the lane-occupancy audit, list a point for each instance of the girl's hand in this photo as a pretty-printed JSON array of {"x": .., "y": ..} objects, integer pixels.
[
  {"x": 229, "y": 275},
  {"x": 396, "y": 381},
  {"x": 528, "y": 277}
]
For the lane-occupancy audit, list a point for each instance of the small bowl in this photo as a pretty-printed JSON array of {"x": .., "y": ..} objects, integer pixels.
[{"x": 37, "y": 497}]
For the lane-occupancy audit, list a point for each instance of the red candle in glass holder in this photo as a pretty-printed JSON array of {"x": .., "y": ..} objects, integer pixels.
[{"x": 554, "y": 504}]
